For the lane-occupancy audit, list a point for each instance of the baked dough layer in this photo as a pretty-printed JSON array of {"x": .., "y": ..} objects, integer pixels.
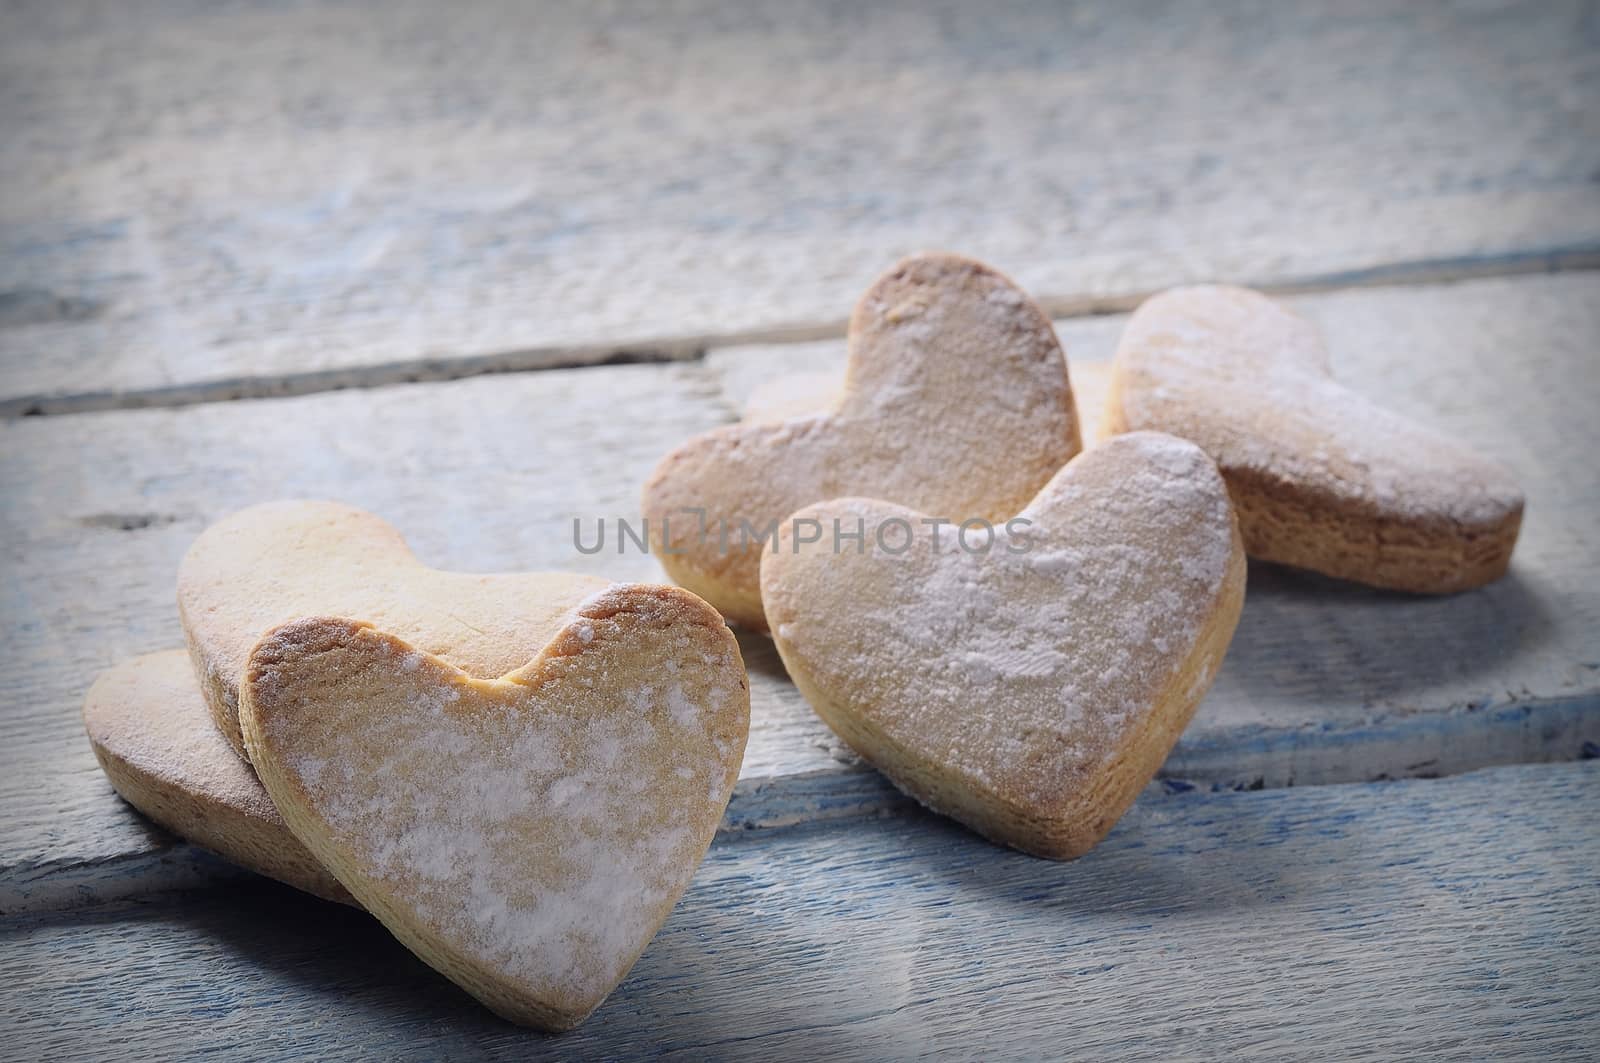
[
  {"x": 271, "y": 563},
  {"x": 1032, "y": 690},
  {"x": 956, "y": 402},
  {"x": 1322, "y": 478},
  {"x": 156, "y": 742},
  {"x": 526, "y": 836}
]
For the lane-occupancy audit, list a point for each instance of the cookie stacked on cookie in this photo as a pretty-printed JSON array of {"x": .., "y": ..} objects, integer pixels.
[
  {"x": 956, "y": 401},
  {"x": 516, "y": 774},
  {"x": 1028, "y": 679}
]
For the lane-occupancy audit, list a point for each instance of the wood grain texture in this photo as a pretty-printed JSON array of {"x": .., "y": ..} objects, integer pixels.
[
  {"x": 1324, "y": 682},
  {"x": 1449, "y": 919},
  {"x": 257, "y": 198}
]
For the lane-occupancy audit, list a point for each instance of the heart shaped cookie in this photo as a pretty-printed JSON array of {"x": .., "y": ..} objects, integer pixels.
[
  {"x": 271, "y": 563},
  {"x": 156, "y": 742},
  {"x": 955, "y": 401},
  {"x": 1028, "y": 684},
  {"x": 527, "y": 835},
  {"x": 1321, "y": 477}
]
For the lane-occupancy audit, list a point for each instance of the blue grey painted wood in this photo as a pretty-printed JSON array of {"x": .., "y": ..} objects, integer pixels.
[
  {"x": 198, "y": 201},
  {"x": 1324, "y": 682},
  {"x": 1448, "y": 919}
]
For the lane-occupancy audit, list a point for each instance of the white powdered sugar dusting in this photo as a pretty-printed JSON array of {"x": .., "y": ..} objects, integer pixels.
[
  {"x": 1249, "y": 381},
  {"x": 1023, "y": 666},
  {"x": 956, "y": 402},
  {"x": 539, "y": 828}
]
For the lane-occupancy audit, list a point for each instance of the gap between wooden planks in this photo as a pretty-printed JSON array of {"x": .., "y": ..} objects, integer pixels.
[
  {"x": 1325, "y": 682},
  {"x": 1405, "y": 920},
  {"x": 696, "y": 348}
]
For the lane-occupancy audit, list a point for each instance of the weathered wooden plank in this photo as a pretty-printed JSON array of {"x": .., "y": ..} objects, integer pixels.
[
  {"x": 1324, "y": 682},
  {"x": 1418, "y": 920},
  {"x": 259, "y": 198}
]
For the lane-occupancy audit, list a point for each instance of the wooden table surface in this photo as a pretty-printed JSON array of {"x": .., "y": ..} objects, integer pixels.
[{"x": 388, "y": 253}]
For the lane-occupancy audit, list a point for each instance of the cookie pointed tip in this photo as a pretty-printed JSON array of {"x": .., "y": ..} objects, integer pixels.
[{"x": 538, "y": 1015}]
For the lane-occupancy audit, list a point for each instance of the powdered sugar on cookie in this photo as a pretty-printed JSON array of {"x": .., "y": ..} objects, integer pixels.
[
  {"x": 532, "y": 830},
  {"x": 1023, "y": 667},
  {"x": 272, "y": 563},
  {"x": 956, "y": 402},
  {"x": 1248, "y": 380}
]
